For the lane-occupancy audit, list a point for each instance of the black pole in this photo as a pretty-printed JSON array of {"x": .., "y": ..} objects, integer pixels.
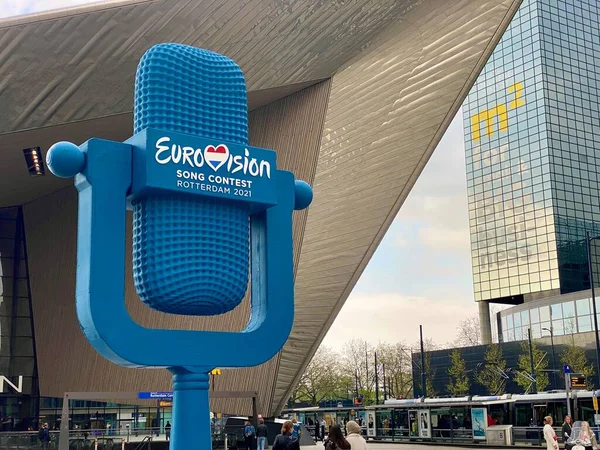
[
  {"x": 553, "y": 357},
  {"x": 384, "y": 387},
  {"x": 591, "y": 276},
  {"x": 376, "y": 381},
  {"x": 356, "y": 381},
  {"x": 423, "y": 376},
  {"x": 533, "y": 384}
]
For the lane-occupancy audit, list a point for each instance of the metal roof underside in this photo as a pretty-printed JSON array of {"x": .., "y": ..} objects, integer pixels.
[{"x": 400, "y": 71}]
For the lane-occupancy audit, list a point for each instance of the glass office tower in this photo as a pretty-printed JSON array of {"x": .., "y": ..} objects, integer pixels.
[{"x": 532, "y": 137}]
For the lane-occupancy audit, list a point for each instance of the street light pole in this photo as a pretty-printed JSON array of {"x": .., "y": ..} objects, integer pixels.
[
  {"x": 591, "y": 277},
  {"x": 551, "y": 330},
  {"x": 533, "y": 384},
  {"x": 423, "y": 375}
]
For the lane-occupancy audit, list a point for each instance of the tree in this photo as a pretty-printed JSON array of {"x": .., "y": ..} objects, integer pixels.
[
  {"x": 459, "y": 380},
  {"x": 540, "y": 363},
  {"x": 574, "y": 356},
  {"x": 468, "y": 332},
  {"x": 320, "y": 380},
  {"x": 358, "y": 362},
  {"x": 398, "y": 369},
  {"x": 491, "y": 374}
]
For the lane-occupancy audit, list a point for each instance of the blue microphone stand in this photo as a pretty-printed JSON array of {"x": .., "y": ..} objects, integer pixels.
[{"x": 107, "y": 174}]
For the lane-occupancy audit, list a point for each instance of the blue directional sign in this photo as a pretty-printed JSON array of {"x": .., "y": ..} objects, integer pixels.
[
  {"x": 155, "y": 395},
  {"x": 567, "y": 369}
]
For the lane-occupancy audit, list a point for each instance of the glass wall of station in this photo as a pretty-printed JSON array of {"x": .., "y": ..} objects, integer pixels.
[
  {"x": 112, "y": 418},
  {"x": 19, "y": 394}
]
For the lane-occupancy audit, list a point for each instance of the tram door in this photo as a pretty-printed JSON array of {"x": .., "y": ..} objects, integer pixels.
[{"x": 539, "y": 412}]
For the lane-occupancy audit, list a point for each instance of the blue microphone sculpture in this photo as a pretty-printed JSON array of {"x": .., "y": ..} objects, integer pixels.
[{"x": 208, "y": 211}]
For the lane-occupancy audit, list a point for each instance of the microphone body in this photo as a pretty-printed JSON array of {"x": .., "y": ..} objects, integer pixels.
[{"x": 190, "y": 252}]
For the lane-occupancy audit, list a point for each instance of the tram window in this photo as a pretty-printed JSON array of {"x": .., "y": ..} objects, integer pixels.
[{"x": 523, "y": 415}]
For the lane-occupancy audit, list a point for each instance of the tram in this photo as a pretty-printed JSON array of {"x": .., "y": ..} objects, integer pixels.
[{"x": 452, "y": 417}]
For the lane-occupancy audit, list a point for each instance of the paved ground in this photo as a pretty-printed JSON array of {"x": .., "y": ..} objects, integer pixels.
[{"x": 409, "y": 446}]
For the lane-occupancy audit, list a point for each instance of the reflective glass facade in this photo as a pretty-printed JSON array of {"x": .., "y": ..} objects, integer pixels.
[
  {"x": 532, "y": 137},
  {"x": 563, "y": 315},
  {"x": 19, "y": 396}
]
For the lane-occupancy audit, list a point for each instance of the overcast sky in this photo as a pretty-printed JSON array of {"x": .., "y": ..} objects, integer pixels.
[{"x": 421, "y": 272}]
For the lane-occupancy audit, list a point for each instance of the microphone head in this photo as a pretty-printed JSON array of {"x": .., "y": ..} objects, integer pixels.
[{"x": 190, "y": 253}]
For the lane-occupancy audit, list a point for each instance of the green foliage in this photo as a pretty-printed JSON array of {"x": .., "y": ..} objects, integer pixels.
[
  {"x": 490, "y": 375},
  {"x": 398, "y": 369},
  {"x": 540, "y": 363},
  {"x": 459, "y": 380},
  {"x": 574, "y": 356},
  {"x": 429, "y": 375},
  {"x": 320, "y": 380}
]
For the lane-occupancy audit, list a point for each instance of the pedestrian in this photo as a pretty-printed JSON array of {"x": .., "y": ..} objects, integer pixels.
[
  {"x": 44, "y": 436},
  {"x": 586, "y": 437},
  {"x": 566, "y": 429},
  {"x": 323, "y": 425},
  {"x": 550, "y": 435},
  {"x": 357, "y": 442},
  {"x": 261, "y": 434},
  {"x": 249, "y": 435},
  {"x": 285, "y": 441},
  {"x": 336, "y": 440},
  {"x": 168, "y": 430},
  {"x": 297, "y": 429}
]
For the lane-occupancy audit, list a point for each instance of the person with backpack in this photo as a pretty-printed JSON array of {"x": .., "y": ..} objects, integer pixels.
[
  {"x": 285, "y": 441},
  {"x": 297, "y": 429},
  {"x": 336, "y": 440},
  {"x": 249, "y": 435}
]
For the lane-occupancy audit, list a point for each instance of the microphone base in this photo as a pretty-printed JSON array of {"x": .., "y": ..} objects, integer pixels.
[{"x": 191, "y": 411}]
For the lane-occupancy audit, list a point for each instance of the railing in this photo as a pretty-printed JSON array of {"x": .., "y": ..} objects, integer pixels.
[
  {"x": 146, "y": 441},
  {"x": 531, "y": 436},
  {"x": 81, "y": 439}
]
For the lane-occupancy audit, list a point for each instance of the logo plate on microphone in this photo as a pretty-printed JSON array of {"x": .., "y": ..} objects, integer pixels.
[{"x": 164, "y": 160}]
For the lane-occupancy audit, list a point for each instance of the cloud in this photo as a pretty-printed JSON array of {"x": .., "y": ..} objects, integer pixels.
[
  {"x": 19, "y": 7},
  {"x": 395, "y": 317}
]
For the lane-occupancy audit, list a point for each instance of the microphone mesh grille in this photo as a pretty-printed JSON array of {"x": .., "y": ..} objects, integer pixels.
[{"x": 190, "y": 253}]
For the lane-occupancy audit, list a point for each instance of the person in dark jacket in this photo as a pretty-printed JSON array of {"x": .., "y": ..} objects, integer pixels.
[
  {"x": 566, "y": 429},
  {"x": 261, "y": 434},
  {"x": 336, "y": 440},
  {"x": 285, "y": 441},
  {"x": 44, "y": 436}
]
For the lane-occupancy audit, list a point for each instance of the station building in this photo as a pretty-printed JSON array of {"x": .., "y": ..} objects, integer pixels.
[{"x": 353, "y": 96}]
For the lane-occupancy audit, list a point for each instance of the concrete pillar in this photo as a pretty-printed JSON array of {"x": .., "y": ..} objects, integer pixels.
[{"x": 484, "y": 322}]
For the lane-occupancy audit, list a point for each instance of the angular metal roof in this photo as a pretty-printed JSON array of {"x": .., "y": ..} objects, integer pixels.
[{"x": 399, "y": 69}]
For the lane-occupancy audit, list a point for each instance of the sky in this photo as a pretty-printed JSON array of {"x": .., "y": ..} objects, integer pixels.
[{"x": 421, "y": 273}]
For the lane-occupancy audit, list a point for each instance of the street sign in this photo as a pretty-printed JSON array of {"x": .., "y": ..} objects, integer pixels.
[
  {"x": 155, "y": 395},
  {"x": 567, "y": 369}
]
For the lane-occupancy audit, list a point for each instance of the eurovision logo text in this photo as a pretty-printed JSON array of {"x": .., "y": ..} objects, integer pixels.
[{"x": 213, "y": 156}]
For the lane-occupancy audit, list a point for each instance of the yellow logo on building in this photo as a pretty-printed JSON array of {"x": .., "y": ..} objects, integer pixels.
[{"x": 500, "y": 111}]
